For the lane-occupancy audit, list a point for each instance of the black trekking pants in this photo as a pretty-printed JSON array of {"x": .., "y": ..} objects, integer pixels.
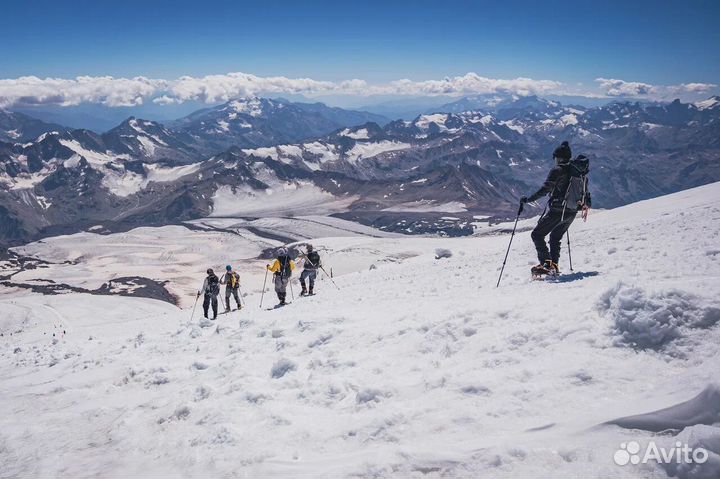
[
  {"x": 551, "y": 223},
  {"x": 209, "y": 298}
]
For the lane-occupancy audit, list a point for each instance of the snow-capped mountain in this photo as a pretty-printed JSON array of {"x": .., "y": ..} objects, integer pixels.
[
  {"x": 18, "y": 127},
  {"x": 495, "y": 103},
  {"x": 408, "y": 176},
  {"x": 258, "y": 122}
]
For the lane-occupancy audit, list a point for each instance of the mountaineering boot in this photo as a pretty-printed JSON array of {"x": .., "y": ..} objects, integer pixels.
[
  {"x": 541, "y": 269},
  {"x": 304, "y": 291},
  {"x": 549, "y": 267},
  {"x": 311, "y": 292}
]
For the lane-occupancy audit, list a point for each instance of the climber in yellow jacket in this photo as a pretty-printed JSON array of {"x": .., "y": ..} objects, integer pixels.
[{"x": 282, "y": 269}]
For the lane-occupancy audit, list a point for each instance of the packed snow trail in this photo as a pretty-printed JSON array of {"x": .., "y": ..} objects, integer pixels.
[{"x": 417, "y": 368}]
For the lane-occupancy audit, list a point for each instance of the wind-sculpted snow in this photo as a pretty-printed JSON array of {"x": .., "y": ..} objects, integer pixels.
[
  {"x": 414, "y": 367},
  {"x": 702, "y": 409},
  {"x": 653, "y": 320}
]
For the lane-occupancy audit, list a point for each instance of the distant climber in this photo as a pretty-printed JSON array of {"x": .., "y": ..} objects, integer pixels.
[
  {"x": 311, "y": 263},
  {"x": 231, "y": 280},
  {"x": 211, "y": 289},
  {"x": 282, "y": 269},
  {"x": 567, "y": 187}
]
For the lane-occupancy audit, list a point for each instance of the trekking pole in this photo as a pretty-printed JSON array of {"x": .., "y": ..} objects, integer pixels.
[
  {"x": 291, "y": 290},
  {"x": 569, "y": 253},
  {"x": 194, "y": 305},
  {"x": 330, "y": 278},
  {"x": 242, "y": 301},
  {"x": 263, "y": 290},
  {"x": 520, "y": 210}
]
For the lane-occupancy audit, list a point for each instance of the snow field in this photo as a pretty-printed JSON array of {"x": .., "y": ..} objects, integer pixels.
[{"x": 415, "y": 368}]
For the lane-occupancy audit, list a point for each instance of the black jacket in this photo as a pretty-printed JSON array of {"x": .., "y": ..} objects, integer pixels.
[{"x": 556, "y": 185}]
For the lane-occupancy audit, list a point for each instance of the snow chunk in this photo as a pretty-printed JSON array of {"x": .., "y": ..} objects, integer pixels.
[
  {"x": 696, "y": 437},
  {"x": 442, "y": 253},
  {"x": 282, "y": 367},
  {"x": 370, "y": 395},
  {"x": 652, "y": 320}
]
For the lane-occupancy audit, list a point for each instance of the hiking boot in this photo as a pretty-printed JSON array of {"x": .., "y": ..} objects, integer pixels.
[
  {"x": 311, "y": 291},
  {"x": 304, "y": 292},
  {"x": 540, "y": 269}
]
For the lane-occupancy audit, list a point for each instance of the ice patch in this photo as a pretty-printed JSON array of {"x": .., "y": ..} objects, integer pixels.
[
  {"x": 423, "y": 122},
  {"x": 361, "y": 134},
  {"x": 368, "y": 150}
]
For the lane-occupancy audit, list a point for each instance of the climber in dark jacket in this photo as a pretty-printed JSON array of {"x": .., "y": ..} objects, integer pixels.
[
  {"x": 567, "y": 186},
  {"x": 311, "y": 265}
]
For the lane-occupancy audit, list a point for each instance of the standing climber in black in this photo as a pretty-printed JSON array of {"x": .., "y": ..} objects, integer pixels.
[
  {"x": 211, "y": 289},
  {"x": 310, "y": 267},
  {"x": 567, "y": 186}
]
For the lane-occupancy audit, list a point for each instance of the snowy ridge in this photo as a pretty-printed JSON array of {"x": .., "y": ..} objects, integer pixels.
[{"x": 416, "y": 367}]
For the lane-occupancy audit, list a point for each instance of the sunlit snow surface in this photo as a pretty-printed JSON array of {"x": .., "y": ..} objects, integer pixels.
[{"x": 415, "y": 368}]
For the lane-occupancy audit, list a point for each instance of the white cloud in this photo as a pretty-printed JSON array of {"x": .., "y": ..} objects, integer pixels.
[
  {"x": 472, "y": 83},
  {"x": 220, "y": 88},
  {"x": 112, "y": 91},
  {"x": 696, "y": 87},
  {"x": 612, "y": 87},
  {"x": 106, "y": 90}
]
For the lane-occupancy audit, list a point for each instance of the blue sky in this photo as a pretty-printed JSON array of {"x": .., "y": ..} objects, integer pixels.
[{"x": 571, "y": 42}]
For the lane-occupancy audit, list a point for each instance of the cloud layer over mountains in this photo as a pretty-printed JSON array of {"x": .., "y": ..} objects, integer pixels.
[{"x": 124, "y": 92}]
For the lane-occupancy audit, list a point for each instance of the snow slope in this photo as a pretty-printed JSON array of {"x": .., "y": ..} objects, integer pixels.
[{"x": 416, "y": 368}]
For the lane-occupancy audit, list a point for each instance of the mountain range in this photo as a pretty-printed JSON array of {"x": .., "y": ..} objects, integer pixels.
[{"x": 438, "y": 173}]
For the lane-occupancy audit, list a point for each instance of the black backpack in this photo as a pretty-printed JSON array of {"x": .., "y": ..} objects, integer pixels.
[
  {"x": 313, "y": 260},
  {"x": 213, "y": 285},
  {"x": 576, "y": 193},
  {"x": 285, "y": 270}
]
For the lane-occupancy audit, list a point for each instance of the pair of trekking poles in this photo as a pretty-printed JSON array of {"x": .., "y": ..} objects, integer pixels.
[{"x": 520, "y": 210}]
